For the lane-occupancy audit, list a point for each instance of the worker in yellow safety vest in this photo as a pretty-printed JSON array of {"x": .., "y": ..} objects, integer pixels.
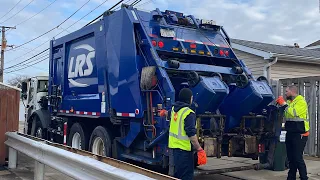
[
  {"x": 297, "y": 127},
  {"x": 183, "y": 139}
]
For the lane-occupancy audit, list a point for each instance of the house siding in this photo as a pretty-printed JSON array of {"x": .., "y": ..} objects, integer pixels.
[
  {"x": 283, "y": 70},
  {"x": 254, "y": 63}
]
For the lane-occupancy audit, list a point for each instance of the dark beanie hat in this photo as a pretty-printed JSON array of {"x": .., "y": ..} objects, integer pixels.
[{"x": 185, "y": 95}]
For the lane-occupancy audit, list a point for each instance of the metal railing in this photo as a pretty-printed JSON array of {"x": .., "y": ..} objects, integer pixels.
[{"x": 77, "y": 164}]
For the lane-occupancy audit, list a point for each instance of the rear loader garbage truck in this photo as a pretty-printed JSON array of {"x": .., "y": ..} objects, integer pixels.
[{"x": 108, "y": 81}]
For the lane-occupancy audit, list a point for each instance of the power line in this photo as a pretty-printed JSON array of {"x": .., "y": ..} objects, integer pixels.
[
  {"x": 28, "y": 59},
  {"x": 27, "y": 66},
  {"x": 145, "y": 3},
  {"x": 10, "y": 9},
  {"x": 26, "y": 63},
  {"x": 17, "y": 12},
  {"x": 135, "y": 2},
  {"x": 103, "y": 13},
  {"x": 64, "y": 29},
  {"x": 36, "y": 13},
  {"x": 52, "y": 28},
  {"x": 127, "y": 2},
  {"x": 30, "y": 51}
]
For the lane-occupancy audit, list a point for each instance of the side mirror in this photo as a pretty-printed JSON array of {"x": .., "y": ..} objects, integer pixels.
[
  {"x": 23, "y": 96},
  {"x": 24, "y": 87}
]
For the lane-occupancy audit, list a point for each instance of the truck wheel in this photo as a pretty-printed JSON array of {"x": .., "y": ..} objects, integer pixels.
[
  {"x": 77, "y": 137},
  {"x": 37, "y": 129},
  {"x": 100, "y": 142}
]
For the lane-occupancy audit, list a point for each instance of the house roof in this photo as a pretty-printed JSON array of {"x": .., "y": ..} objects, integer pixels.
[
  {"x": 278, "y": 49},
  {"x": 317, "y": 43}
]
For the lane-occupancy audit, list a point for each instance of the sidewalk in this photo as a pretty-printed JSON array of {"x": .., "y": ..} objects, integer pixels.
[{"x": 313, "y": 167}]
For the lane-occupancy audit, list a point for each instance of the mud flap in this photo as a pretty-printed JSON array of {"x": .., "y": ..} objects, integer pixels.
[{"x": 171, "y": 163}]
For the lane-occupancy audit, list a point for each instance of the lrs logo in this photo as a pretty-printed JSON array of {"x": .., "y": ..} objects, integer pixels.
[{"x": 80, "y": 61}]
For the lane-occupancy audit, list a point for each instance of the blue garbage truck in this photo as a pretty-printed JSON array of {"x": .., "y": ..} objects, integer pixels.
[{"x": 108, "y": 81}]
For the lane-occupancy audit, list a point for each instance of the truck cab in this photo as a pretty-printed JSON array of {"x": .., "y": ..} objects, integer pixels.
[{"x": 34, "y": 90}]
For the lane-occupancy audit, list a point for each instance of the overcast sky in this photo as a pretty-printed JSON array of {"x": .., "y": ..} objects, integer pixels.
[{"x": 281, "y": 22}]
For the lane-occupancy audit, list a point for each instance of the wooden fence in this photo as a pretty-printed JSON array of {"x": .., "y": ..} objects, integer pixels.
[
  {"x": 9, "y": 115},
  {"x": 309, "y": 88}
]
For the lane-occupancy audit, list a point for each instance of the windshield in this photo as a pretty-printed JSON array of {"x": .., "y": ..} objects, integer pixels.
[{"x": 42, "y": 86}]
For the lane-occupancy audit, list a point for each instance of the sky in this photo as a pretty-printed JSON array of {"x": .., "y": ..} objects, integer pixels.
[{"x": 282, "y": 22}]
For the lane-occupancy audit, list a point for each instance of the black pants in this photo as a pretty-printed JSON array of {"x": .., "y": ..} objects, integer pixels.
[
  {"x": 181, "y": 164},
  {"x": 295, "y": 144}
]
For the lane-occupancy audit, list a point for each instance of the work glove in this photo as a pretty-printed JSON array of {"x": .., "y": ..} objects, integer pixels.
[
  {"x": 163, "y": 113},
  {"x": 281, "y": 101},
  {"x": 202, "y": 157}
]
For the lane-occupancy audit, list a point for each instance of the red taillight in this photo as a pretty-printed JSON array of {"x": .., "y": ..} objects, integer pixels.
[
  {"x": 154, "y": 43},
  {"x": 226, "y": 53},
  {"x": 221, "y": 52},
  {"x": 261, "y": 148},
  {"x": 160, "y": 44},
  {"x": 65, "y": 128},
  {"x": 193, "y": 46},
  {"x": 154, "y": 81}
]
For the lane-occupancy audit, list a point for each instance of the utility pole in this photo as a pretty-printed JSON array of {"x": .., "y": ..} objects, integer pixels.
[{"x": 3, "y": 48}]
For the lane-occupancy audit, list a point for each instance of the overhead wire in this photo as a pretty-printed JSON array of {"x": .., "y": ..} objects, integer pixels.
[
  {"x": 135, "y": 2},
  {"x": 52, "y": 28},
  {"x": 103, "y": 13},
  {"x": 64, "y": 29},
  {"x": 127, "y": 2},
  {"x": 30, "y": 51},
  {"x": 10, "y": 9},
  {"x": 24, "y": 21},
  {"x": 24, "y": 66},
  {"x": 26, "y": 63},
  {"x": 145, "y": 3},
  {"x": 27, "y": 66},
  {"x": 27, "y": 59},
  {"x": 17, "y": 12}
]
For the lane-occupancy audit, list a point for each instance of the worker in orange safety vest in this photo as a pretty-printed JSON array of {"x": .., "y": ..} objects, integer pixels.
[{"x": 182, "y": 138}]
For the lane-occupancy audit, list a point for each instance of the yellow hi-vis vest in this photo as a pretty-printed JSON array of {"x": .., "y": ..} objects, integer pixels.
[
  {"x": 178, "y": 138},
  {"x": 296, "y": 115}
]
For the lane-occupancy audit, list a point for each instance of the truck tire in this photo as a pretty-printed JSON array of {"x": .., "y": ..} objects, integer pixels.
[
  {"x": 78, "y": 137},
  {"x": 37, "y": 129},
  {"x": 146, "y": 77},
  {"x": 100, "y": 142}
]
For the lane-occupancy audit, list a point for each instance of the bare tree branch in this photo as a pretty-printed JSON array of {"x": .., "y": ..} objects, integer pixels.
[{"x": 17, "y": 80}]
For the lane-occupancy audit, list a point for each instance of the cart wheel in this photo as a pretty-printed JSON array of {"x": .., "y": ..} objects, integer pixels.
[
  {"x": 217, "y": 75},
  {"x": 262, "y": 78},
  {"x": 242, "y": 81},
  {"x": 193, "y": 78},
  {"x": 237, "y": 69}
]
